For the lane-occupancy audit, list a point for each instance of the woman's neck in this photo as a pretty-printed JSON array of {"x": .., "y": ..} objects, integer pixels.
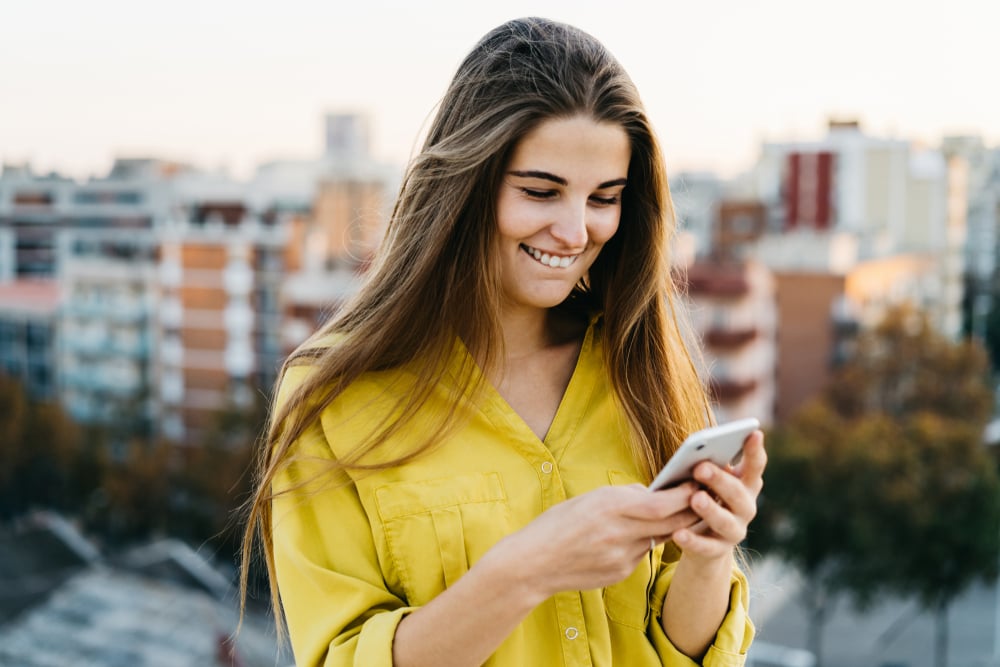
[{"x": 525, "y": 331}]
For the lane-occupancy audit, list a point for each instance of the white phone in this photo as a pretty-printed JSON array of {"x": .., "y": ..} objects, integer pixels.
[{"x": 721, "y": 444}]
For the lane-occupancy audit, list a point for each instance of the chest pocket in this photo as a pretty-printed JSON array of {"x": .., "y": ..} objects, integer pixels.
[
  {"x": 627, "y": 602},
  {"x": 436, "y": 529}
]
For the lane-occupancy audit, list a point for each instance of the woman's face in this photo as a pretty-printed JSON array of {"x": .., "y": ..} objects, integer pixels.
[{"x": 559, "y": 203}]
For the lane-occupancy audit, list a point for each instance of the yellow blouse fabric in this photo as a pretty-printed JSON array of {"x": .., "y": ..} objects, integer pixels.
[{"x": 354, "y": 555}]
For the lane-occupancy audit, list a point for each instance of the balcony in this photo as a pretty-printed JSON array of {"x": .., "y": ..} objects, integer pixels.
[
  {"x": 100, "y": 381},
  {"x": 120, "y": 312},
  {"x": 729, "y": 339},
  {"x": 107, "y": 347},
  {"x": 726, "y": 390},
  {"x": 717, "y": 280}
]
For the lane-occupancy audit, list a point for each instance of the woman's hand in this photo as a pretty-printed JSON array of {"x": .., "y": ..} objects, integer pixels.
[
  {"x": 595, "y": 539},
  {"x": 726, "y": 504},
  {"x": 698, "y": 597}
]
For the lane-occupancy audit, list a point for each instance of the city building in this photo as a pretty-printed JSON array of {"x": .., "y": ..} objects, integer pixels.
[
  {"x": 982, "y": 247},
  {"x": 696, "y": 197},
  {"x": 106, "y": 281},
  {"x": 218, "y": 331},
  {"x": 855, "y": 224},
  {"x": 332, "y": 244},
  {"x": 31, "y": 212},
  {"x": 733, "y": 311},
  {"x": 29, "y": 312},
  {"x": 169, "y": 286},
  {"x": 851, "y": 198}
]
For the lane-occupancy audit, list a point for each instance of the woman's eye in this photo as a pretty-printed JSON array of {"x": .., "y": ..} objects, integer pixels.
[
  {"x": 539, "y": 194},
  {"x": 605, "y": 201}
]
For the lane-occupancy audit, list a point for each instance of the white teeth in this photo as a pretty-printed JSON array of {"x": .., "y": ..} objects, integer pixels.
[{"x": 553, "y": 261}]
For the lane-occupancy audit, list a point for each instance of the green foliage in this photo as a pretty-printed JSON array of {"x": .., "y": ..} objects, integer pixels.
[
  {"x": 883, "y": 484},
  {"x": 38, "y": 452},
  {"x": 993, "y": 332},
  {"x": 122, "y": 484}
]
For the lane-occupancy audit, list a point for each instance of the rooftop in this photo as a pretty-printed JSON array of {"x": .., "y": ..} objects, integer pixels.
[{"x": 162, "y": 603}]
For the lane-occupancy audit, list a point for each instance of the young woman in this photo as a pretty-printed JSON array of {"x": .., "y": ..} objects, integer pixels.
[{"x": 456, "y": 464}]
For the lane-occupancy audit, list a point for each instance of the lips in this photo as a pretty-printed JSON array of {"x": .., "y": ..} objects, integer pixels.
[{"x": 550, "y": 260}]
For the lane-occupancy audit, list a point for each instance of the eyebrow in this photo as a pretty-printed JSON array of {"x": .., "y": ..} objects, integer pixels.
[{"x": 562, "y": 181}]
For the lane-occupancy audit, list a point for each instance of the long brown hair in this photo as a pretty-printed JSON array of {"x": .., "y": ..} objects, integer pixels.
[{"x": 435, "y": 276}]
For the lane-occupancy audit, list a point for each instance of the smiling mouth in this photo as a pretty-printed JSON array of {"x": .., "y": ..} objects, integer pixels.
[{"x": 547, "y": 259}]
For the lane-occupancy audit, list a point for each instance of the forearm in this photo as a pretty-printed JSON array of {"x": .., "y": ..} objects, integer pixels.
[
  {"x": 466, "y": 623},
  {"x": 696, "y": 603}
]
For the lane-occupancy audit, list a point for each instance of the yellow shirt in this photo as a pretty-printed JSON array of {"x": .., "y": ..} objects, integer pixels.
[{"x": 352, "y": 559}]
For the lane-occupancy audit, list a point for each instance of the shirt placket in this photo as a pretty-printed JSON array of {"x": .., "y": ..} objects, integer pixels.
[{"x": 568, "y": 604}]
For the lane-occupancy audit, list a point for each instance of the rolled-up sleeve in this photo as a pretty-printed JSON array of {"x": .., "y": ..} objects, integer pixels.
[
  {"x": 336, "y": 604},
  {"x": 733, "y": 638}
]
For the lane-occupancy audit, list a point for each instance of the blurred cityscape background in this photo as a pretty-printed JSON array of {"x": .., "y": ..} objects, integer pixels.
[{"x": 844, "y": 284}]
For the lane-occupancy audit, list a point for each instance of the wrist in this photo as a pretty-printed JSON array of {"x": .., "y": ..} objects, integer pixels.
[
  {"x": 516, "y": 573},
  {"x": 707, "y": 566}
]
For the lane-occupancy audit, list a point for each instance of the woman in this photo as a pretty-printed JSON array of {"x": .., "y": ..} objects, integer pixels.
[{"x": 456, "y": 462}]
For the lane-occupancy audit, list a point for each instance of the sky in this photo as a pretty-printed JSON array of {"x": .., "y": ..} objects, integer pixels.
[{"x": 226, "y": 84}]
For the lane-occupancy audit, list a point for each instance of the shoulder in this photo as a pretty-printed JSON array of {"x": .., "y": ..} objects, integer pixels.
[
  {"x": 313, "y": 367},
  {"x": 303, "y": 364}
]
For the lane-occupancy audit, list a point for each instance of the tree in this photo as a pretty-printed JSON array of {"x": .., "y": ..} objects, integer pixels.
[
  {"x": 38, "y": 445},
  {"x": 215, "y": 477},
  {"x": 883, "y": 485},
  {"x": 136, "y": 487}
]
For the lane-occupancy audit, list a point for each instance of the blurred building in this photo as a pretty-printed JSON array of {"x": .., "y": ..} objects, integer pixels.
[
  {"x": 180, "y": 291},
  {"x": 29, "y": 312},
  {"x": 854, "y": 225},
  {"x": 982, "y": 248},
  {"x": 696, "y": 197},
  {"x": 733, "y": 310},
  {"x": 218, "y": 329},
  {"x": 32, "y": 210},
  {"x": 333, "y": 244},
  {"x": 106, "y": 280},
  {"x": 105, "y": 250},
  {"x": 851, "y": 198}
]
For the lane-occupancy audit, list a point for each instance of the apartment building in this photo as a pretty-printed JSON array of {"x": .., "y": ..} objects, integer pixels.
[
  {"x": 106, "y": 280},
  {"x": 331, "y": 246},
  {"x": 31, "y": 213},
  {"x": 29, "y": 311},
  {"x": 178, "y": 292},
  {"x": 851, "y": 198},
  {"x": 696, "y": 197},
  {"x": 731, "y": 299},
  {"x": 218, "y": 330},
  {"x": 733, "y": 310},
  {"x": 982, "y": 247}
]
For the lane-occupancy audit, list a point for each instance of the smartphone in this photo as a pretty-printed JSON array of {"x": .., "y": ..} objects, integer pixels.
[{"x": 721, "y": 444}]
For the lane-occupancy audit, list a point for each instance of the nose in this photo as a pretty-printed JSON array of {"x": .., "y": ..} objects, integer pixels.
[{"x": 570, "y": 228}]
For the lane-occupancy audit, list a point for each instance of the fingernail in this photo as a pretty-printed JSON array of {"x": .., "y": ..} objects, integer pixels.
[{"x": 704, "y": 472}]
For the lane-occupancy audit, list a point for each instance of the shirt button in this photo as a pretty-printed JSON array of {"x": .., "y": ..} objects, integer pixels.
[
  {"x": 572, "y": 633},
  {"x": 547, "y": 467}
]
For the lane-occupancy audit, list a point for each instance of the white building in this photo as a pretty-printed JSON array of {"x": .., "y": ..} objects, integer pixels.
[
  {"x": 107, "y": 279},
  {"x": 850, "y": 198},
  {"x": 982, "y": 247}
]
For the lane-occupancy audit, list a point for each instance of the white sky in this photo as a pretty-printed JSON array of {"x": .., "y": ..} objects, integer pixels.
[{"x": 234, "y": 83}]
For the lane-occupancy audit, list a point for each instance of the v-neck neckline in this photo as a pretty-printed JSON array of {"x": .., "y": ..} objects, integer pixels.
[{"x": 568, "y": 414}]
